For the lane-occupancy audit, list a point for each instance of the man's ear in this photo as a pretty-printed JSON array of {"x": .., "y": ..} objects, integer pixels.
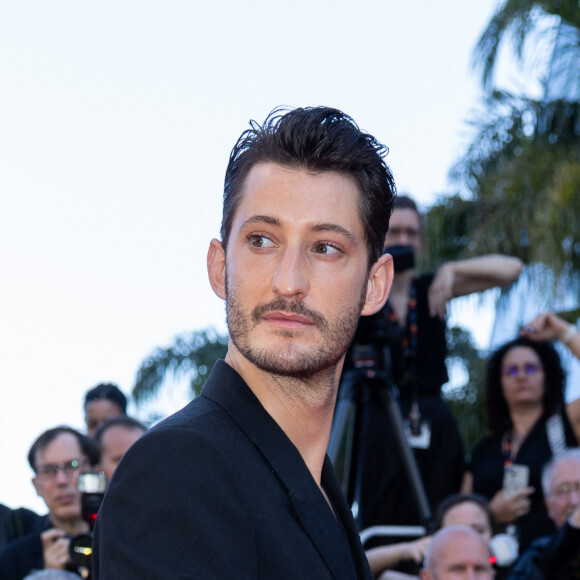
[
  {"x": 216, "y": 268},
  {"x": 378, "y": 285},
  {"x": 36, "y": 486}
]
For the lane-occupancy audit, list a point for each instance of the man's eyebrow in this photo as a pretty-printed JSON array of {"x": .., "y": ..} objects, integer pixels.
[
  {"x": 261, "y": 219},
  {"x": 334, "y": 228},
  {"x": 325, "y": 227}
]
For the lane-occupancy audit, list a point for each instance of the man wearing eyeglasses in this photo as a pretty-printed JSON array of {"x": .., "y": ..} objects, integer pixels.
[
  {"x": 56, "y": 457},
  {"x": 557, "y": 556}
]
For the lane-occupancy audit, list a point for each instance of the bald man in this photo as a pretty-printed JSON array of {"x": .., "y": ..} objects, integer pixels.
[{"x": 457, "y": 553}]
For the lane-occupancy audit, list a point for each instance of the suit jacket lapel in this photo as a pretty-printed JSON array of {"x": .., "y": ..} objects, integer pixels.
[{"x": 334, "y": 546}]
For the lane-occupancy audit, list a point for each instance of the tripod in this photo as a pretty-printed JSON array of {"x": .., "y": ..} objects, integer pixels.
[{"x": 357, "y": 389}]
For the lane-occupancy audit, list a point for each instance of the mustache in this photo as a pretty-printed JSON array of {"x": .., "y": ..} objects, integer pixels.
[{"x": 280, "y": 304}]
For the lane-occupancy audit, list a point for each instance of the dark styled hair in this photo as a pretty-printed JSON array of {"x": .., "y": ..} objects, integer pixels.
[
  {"x": 121, "y": 421},
  {"x": 403, "y": 201},
  {"x": 108, "y": 391},
  {"x": 497, "y": 416},
  {"x": 457, "y": 499},
  {"x": 44, "y": 439},
  {"x": 316, "y": 139}
]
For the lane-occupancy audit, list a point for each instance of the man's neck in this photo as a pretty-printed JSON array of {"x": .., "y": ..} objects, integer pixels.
[
  {"x": 402, "y": 283},
  {"x": 302, "y": 408},
  {"x": 399, "y": 295},
  {"x": 71, "y": 527}
]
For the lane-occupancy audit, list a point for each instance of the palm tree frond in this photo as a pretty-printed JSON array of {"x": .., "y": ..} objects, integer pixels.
[{"x": 191, "y": 354}]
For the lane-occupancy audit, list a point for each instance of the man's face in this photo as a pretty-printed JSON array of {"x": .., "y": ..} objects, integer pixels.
[
  {"x": 469, "y": 513},
  {"x": 461, "y": 557},
  {"x": 58, "y": 486},
  {"x": 405, "y": 230},
  {"x": 564, "y": 493},
  {"x": 296, "y": 270},
  {"x": 98, "y": 411},
  {"x": 114, "y": 444}
]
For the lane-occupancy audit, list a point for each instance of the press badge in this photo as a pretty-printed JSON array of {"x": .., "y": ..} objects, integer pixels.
[{"x": 421, "y": 440}]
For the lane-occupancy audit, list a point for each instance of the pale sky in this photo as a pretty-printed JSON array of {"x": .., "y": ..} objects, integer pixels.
[{"x": 116, "y": 121}]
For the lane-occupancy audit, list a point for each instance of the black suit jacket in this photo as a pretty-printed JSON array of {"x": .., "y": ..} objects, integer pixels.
[{"x": 218, "y": 491}]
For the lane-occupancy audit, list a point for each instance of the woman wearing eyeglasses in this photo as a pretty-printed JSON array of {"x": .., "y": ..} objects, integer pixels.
[{"x": 528, "y": 425}]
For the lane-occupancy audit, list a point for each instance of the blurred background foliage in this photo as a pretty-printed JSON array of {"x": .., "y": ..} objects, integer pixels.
[
  {"x": 517, "y": 191},
  {"x": 192, "y": 355},
  {"x": 464, "y": 398},
  {"x": 518, "y": 181}
]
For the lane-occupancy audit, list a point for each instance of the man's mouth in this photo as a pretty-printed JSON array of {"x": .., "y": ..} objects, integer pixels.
[
  {"x": 66, "y": 498},
  {"x": 287, "y": 319}
]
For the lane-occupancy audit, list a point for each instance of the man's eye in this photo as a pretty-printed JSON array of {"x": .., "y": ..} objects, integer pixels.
[
  {"x": 326, "y": 249},
  {"x": 258, "y": 241}
]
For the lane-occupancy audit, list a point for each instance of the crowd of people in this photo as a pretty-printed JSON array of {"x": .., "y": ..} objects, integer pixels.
[
  {"x": 38, "y": 546},
  {"x": 522, "y": 482},
  {"x": 529, "y": 424},
  {"x": 239, "y": 483}
]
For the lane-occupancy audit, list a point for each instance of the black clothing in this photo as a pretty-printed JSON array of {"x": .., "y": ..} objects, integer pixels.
[
  {"x": 387, "y": 497},
  {"x": 24, "y": 556},
  {"x": 555, "y": 557},
  {"x": 218, "y": 491},
  {"x": 487, "y": 467},
  {"x": 16, "y": 523},
  {"x": 431, "y": 348}
]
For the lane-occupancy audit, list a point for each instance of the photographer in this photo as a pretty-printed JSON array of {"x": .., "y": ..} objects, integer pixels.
[
  {"x": 413, "y": 322},
  {"x": 113, "y": 438},
  {"x": 56, "y": 457}
]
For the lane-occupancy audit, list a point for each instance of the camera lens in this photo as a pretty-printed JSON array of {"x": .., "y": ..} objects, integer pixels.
[{"x": 81, "y": 550}]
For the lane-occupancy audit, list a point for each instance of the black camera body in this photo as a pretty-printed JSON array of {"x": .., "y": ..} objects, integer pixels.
[
  {"x": 371, "y": 346},
  {"x": 403, "y": 257},
  {"x": 92, "y": 487}
]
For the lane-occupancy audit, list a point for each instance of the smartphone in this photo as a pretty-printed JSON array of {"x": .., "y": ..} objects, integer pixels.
[{"x": 515, "y": 478}]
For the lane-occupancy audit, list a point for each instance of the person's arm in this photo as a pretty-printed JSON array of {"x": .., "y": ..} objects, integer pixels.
[
  {"x": 394, "y": 575},
  {"x": 383, "y": 558},
  {"x": 454, "y": 279},
  {"x": 549, "y": 326},
  {"x": 467, "y": 483},
  {"x": 573, "y": 414}
]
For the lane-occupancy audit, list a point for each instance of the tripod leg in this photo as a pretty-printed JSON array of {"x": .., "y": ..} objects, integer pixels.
[
  {"x": 343, "y": 412},
  {"x": 410, "y": 464}
]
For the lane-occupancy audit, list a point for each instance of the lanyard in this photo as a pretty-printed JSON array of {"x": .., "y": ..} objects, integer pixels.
[
  {"x": 409, "y": 344},
  {"x": 510, "y": 447},
  {"x": 409, "y": 338}
]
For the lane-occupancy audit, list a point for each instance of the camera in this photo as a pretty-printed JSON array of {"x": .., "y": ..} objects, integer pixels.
[
  {"x": 403, "y": 257},
  {"x": 92, "y": 487},
  {"x": 376, "y": 335}
]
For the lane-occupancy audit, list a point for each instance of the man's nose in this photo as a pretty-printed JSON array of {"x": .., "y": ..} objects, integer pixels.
[
  {"x": 574, "y": 496},
  {"x": 399, "y": 238},
  {"x": 62, "y": 477},
  {"x": 290, "y": 277}
]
